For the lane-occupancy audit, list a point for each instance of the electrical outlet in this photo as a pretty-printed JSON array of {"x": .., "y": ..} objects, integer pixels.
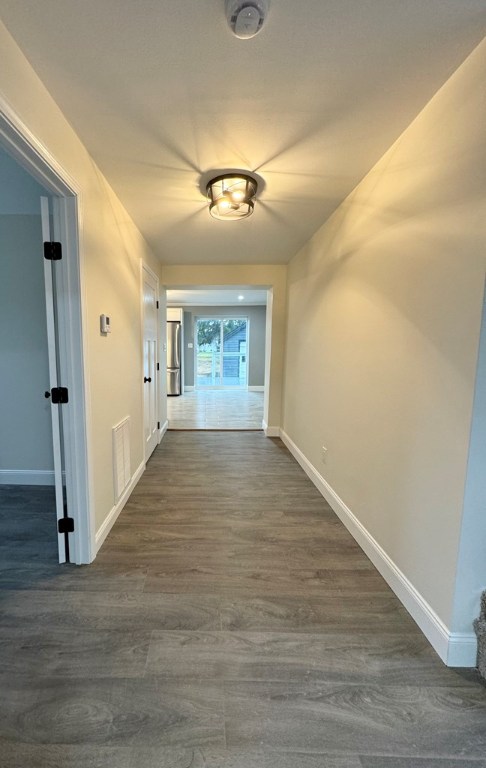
[{"x": 323, "y": 454}]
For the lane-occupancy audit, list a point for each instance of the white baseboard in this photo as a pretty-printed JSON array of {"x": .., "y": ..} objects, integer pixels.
[
  {"x": 462, "y": 649},
  {"x": 111, "y": 518},
  {"x": 256, "y": 389},
  {"x": 455, "y": 649},
  {"x": 270, "y": 431},
  {"x": 26, "y": 477},
  {"x": 189, "y": 389},
  {"x": 163, "y": 429}
]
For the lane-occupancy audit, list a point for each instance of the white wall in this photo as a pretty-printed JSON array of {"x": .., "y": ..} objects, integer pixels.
[
  {"x": 384, "y": 315},
  {"x": 111, "y": 253}
]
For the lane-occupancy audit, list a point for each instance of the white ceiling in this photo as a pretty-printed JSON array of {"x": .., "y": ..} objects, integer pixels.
[
  {"x": 216, "y": 297},
  {"x": 161, "y": 93}
]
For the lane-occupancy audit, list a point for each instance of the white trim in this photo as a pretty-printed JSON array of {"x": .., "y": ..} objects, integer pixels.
[
  {"x": 269, "y": 382},
  {"x": 462, "y": 649},
  {"x": 270, "y": 431},
  {"x": 149, "y": 269},
  {"x": 32, "y": 154},
  {"x": 112, "y": 516},
  {"x": 256, "y": 389},
  {"x": 55, "y": 376},
  {"x": 189, "y": 389},
  {"x": 163, "y": 429},
  {"x": 26, "y": 477},
  {"x": 76, "y": 422},
  {"x": 455, "y": 649},
  {"x": 145, "y": 268}
]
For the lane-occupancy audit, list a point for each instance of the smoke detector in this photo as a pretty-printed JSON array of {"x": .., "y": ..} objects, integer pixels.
[{"x": 246, "y": 17}]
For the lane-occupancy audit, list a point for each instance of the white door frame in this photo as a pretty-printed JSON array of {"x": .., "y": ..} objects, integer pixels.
[
  {"x": 32, "y": 155},
  {"x": 55, "y": 378},
  {"x": 145, "y": 268}
]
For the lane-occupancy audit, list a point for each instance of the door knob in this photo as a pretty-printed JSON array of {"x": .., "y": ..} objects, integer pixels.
[
  {"x": 145, "y": 379},
  {"x": 47, "y": 394}
]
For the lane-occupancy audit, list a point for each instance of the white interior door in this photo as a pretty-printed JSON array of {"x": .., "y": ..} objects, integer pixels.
[
  {"x": 150, "y": 293},
  {"x": 54, "y": 383}
]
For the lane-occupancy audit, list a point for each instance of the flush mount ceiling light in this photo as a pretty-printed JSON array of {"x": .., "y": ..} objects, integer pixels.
[{"x": 231, "y": 196}]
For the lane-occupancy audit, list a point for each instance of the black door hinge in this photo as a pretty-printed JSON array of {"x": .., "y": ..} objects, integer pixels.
[
  {"x": 158, "y": 425},
  {"x": 59, "y": 395},
  {"x": 158, "y": 366},
  {"x": 157, "y": 304},
  {"x": 65, "y": 525},
  {"x": 53, "y": 251}
]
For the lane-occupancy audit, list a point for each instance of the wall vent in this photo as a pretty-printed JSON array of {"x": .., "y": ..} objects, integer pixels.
[{"x": 121, "y": 457}]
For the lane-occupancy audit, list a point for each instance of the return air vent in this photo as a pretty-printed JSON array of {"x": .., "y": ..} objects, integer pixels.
[{"x": 121, "y": 457}]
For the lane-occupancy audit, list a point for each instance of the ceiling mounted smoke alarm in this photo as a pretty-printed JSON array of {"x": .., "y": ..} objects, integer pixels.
[{"x": 246, "y": 17}]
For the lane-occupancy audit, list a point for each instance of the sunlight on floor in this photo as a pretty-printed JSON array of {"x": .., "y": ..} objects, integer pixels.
[{"x": 216, "y": 409}]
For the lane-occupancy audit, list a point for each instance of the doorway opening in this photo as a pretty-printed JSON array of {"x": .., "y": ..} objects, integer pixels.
[
  {"x": 57, "y": 469},
  {"x": 27, "y": 490},
  {"x": 223, "y": 358}
]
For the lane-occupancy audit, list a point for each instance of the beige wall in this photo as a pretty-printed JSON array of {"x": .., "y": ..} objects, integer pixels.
[
  {"x": 268, "y": 276},
  {"x": 384, "y": 315},
  {"x": 111, "y": 250}
]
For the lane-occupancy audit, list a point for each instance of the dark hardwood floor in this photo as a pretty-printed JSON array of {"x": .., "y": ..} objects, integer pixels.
[{"x": 229, "y": 621}]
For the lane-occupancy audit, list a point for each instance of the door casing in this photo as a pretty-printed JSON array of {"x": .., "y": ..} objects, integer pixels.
[{"x": 150, "y": 352}]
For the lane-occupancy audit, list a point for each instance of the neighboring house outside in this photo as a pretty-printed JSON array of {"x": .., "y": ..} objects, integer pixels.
[{"x": 235, "y": 356}]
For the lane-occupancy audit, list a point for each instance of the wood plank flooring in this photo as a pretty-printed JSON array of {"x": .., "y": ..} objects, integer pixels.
[
  {"x": 230, "y": 621},
  {"x": 216, "y": 409}
]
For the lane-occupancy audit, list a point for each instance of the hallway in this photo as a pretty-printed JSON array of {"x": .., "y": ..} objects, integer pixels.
[{"x": 229, "y": 621}]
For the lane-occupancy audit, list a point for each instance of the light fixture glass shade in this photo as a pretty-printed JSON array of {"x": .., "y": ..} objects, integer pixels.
[{"x": 231, "y": 196}]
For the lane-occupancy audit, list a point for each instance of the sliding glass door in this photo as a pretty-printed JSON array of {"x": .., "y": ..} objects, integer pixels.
[{"x": 221, "y": 352}]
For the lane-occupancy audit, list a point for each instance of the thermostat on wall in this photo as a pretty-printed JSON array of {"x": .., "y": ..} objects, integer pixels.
[{"x": 105, "y": 326}]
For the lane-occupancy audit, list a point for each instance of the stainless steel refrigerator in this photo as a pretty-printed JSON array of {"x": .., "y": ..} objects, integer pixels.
[{"x": 174, "y": 384}]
